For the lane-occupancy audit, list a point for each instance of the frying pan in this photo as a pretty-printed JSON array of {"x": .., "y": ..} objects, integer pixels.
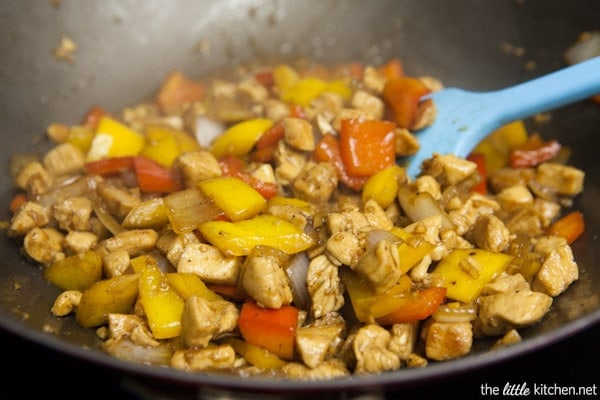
[{"x": 126, "y": 47}]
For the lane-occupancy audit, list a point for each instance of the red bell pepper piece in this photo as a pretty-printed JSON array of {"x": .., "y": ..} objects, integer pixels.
[
  {"x": 570, "y": 227},
  {"x": 110, "y": 166},
  {"x": 328, "y": 150},
  {"x": 479, "y": 159},
  {"x": 228, "y": 291},
  {"x": 17, "y": 202},
  {"x": 153, "y": 177},
  {"x": 392, "y": 69},
  {"x": 271, "y": 136},
  {"x": 271, "y": 329},
  {"x": 367, "y": 146},
  {"x": 177, "y": 89},
  {"x": 415, "y": 306},
  {"x": 403, "y": 95},
  {"x": 534, "y": 152},
  {"x": 93, "y": 116},
  {"x": 232, "y": 166}
]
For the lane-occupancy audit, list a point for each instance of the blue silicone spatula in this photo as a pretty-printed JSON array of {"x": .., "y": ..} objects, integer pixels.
[{"x": 464, "y": 118}]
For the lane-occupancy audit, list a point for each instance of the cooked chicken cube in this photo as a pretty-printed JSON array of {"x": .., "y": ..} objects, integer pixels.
[
  {"x": 503, "y": 178},
  {"x": 314, "y": 342},
  {"x": 501, "y": 312},
  {"x": 373, "y": 79},
  {"x": 195, "y": 166},
  {"x": 203, "y": 320},
  {"x": 172, "y": 244},
  {"x": 316, "y": 182},
  {"x": 135, "y": 241},
  {"x": 405, "y": 143},
  {"x": 209, "y": 263},
  {"x": 564, "y": 179},
  {"x": 324, "y": 286},
  {"x": 329, "y": 369},
  {"x": 298, "y": 133},
  {"x": 253, "y": 90},
  {"x": 30, "y": 215},
  {"x": 448, "y": 169},
  {"x": 403, "y": 339},
  {"x": 289, "y": 163},
  {"x": 73, "y": 214},
  {"x": 380, "y": 266},
  {"x": 475, "y": 206},
  {"x": 34, "y": 178},
  {"x": 343, "y": 248},
  {"x": 116, "y": 263},
  {"x": 430, "y": 185},
  {"x": 376, "y": 216},
  {"x": 370, "y": 347},
  {"x": 506, "y": 283},
  {"x": 349, "y": 113},
  {"x": 66, "y": 303},
  {"x": 558, "y": 271},
  {"x": 514, "y": 197},
  {"x": 79, "y": 242},
  {"x": 210, "y": 358},
  {"x": 511, "y": 337},
  {"x": 118, "y": 201},
  {"x": 44, "y": 245},
  {"x": 276, "y": 109},
  {"x": 63, "y": 159},
  {"x": 425, "y": 115},
  {"x": 265, "y": 280},
  {"x": 132, "y": 327},
  {"x": 448, "y": 340},
  {"x": 373, "y": 105},
  {"x": 489, "y": 233}
]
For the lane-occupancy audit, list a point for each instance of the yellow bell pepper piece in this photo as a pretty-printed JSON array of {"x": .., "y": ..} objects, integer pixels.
[
  {"x": 76, "y": 272},
  {"x": 234, "y": 197},
  {"x": 190, "y": 284},
  {"x": 340, "y": 87},
  {"x": 411, "y": 249},
  {"x": 239, "y": 238},
  {"x": 164, "y": 144},
  {"x": 151, "y": 213},
  {"x": 114, "y": 139},
  {"x": 383, "y": 186},
  {"x": 304, "y": 91},
  {"x": 162, "y": 304},
  {"x": 285, "y": 77},
  {"x": 290, "y": 201},
  {"x": 257, "y": 356},
  {"x": 466, "y": 271},
  {"x": 81, "y": 137},
  {"x": 239, "y": 139},
  {"x": 499, "y": 143}
]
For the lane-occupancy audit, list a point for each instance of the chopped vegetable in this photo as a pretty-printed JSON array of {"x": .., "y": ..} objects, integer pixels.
[
  {"x": 328, "y": 150},
  {"x": 479, "y": 159},
  {"x": 76, "y": 272},
  {"x": 383, "y": 186},
  {"x": 239, "y": 139},
  {"x": 237, "y": 199},
  {"x": 114, "y": 139},
  {"x": 152, "y": 177},
  {"x": 177, "y": 89},
  {"x": 403, "y": 95},
  {"x": 534, "y": 152},
  {"x": 570, "y": 226},
  {"x": 188, "y": 285},
  {"x": 414, "y": 306},
  {"x": 271, "y": 329}
]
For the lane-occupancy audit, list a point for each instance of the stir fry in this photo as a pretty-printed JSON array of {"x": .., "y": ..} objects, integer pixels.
[{"x": 262, "y": 224}]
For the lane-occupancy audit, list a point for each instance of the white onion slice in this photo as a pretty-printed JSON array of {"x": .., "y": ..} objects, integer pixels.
[
  {"x": 422, "y": 205},
  {"x": 455, "y": 313},
  {"x": 206, "y": 130},
  {"x": 377, "y": 235},
  {"x": 296, "y": 270}
]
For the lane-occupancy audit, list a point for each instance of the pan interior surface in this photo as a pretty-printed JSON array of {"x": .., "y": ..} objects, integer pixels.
[{"x": 125, "y": 48}]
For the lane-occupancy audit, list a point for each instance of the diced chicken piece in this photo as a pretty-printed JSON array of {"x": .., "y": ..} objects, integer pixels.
[
  {"x": 425, "y": 115},
  {"x": 253, "y": 90},
  {"x": 209, "y": 263},
  {"x": 324, "y": 286},
  {"x": 415, "y": 361},
  {"x": 228, "y": 104},
  {"x": 329, "y": 369},
  {"x": 44, "y": 245},
  {"x": 64, "y": 159},
  {"x": 429, "y": 185},
  {"x": 132, "y": 327},
  {"x": 57, "y": 132},
  {"x": 324, "y": 124},
  {"x": 349, "y": 113},
  {"x": 403, "y": 339},
  {"x": 380, "y": 266},
  {"x": 448, "y": 169},
  {"x": 558, "y": 271},
  {"x": 210, "y": 358},
  {"x": 526, "y": 221},
  {"x": 263, "y": 172},
  {"x": 489, "y": 233},
  {"x": 514, "y": 197},
  {"x": 116, "y": 263},
  {"x": 548, "y": 211},
  {"x": 316, "y": 182},
  {"x": 376, "y": 216},
  {"x": 265, "y": 280},
  {"x": 135, "y": 241},
  {"x": 118, "y": 201},
  {"x": 125, "y": 349},
  {"x": 327, "y": 103},
  {"x": 432, "y": 83},
  {"x": 288, "y": 163},
  {"x": 276, "y": 109},
  {"x": 373, "y": 79},
  {"x": 405, "y": 143},
  {"x": 203, "y": 320},
  {"x": 298, "y": 133},
  {"x": 498, "y": 313},
  {"x": 343, "y": 248},
  {"x": 504, "y": 178},
  {"x": 476, "y": 205},
  {"x": 195, "y": 166},
  {"x": 506, "y": 283},
  {"x": 172, "y": 244},
  {"x": 448, "y": 340},
  {"x": 150, "y": 213},
  {"x": 314, "y": 343},
  {"x": 73, "y": 214},
  {"x": 370, "y": 347},
  {"x": 34, "y": 178},
  {"x": 79, "y": 242},
  {"x": 30, "y": 215},
  {"x": 365, "y": 101},
  {"x": 291, "y": 213},
  {"x": 511, "y": 337},
  {"x": 66, "y": 303},
  {"x": 564, "y": 179}
]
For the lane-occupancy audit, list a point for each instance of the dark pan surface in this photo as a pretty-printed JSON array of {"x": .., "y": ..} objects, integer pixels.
[{"x": 125, "y": 48}]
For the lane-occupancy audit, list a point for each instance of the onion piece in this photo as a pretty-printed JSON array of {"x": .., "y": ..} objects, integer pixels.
[
  {"x": 127, "y": 350},
  {"x": 455, "y": 312},
  {"x": 206, "y": 130},
  {"x": 296, "y": 270},
  {"x": 422, "y": 205},
  {"x": 107, "y": 219},
  {"x": 377, "y": 235}
]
